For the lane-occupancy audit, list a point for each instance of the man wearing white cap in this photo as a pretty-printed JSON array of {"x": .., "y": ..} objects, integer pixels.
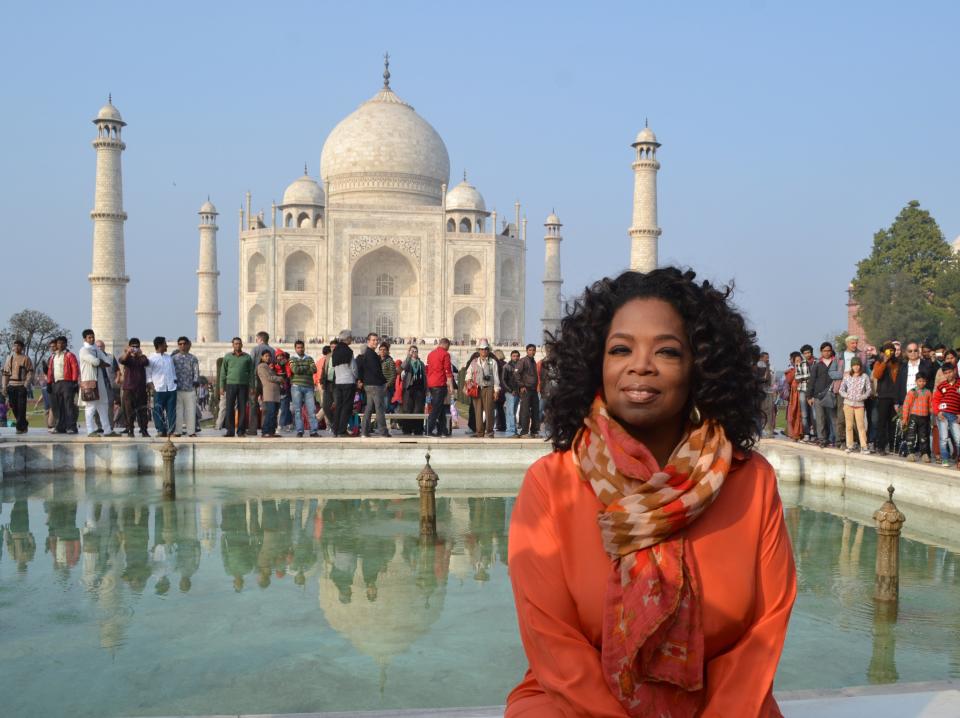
[{"x": 483, "y": 374}]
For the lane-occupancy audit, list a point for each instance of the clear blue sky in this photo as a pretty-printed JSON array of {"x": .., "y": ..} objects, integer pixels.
[{"x": 791, "y": 132}]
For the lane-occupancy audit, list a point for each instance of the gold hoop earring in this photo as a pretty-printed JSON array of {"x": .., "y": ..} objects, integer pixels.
[{"x": 695, "y": 417}]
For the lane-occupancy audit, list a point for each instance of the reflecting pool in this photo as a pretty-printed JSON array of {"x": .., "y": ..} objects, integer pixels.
[{"x": 255, "y": 600}]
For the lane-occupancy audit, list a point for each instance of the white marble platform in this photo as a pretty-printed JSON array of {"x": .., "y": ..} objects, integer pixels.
[{"x": 907, "y": 700}]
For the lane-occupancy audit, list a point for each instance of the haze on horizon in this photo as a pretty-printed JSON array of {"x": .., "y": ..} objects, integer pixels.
[{"x": 790, "y": 135}]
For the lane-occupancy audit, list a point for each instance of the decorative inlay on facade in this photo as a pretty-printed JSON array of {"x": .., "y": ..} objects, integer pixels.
[{"x": 363, "y": 243}]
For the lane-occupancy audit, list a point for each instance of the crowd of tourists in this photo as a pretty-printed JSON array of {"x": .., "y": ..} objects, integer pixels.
[
  {"x": 272, "y": 392},
  {"x": 356, "y": 394},
  {"x": 902, "y": 399}
]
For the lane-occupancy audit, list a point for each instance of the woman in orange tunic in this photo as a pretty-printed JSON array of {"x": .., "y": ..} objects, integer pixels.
[{"x": 650, "y": 562}]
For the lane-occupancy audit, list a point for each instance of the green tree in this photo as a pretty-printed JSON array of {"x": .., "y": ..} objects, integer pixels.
[
  {"x": 913, "y": 245},
  {"x": 36, "y": 329},
  {"x": 892, "y": 307},
  {"x": 906, "y": 286}
]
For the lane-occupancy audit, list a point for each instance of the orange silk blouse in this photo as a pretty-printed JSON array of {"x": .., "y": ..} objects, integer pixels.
[{"x": 559, "y": 572}]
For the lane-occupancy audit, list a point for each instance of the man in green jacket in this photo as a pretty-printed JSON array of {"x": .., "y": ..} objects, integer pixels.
[{"x": 237, "y": 382}]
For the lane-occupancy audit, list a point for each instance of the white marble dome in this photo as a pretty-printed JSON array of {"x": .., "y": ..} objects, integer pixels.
[
  {"x": 645, "y": 135},
  {"x": 304, "y": 190},
  {"x": 465, "y": 197},
  {"x": 208, "y": 208},
  {"x": 109, "y": 112},
  {"x": 552, "y": 218},
  {"x": 384, "y": 152}
]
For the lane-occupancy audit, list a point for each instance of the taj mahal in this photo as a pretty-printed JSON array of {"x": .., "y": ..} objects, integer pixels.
[{"x": 381, "y": 242}]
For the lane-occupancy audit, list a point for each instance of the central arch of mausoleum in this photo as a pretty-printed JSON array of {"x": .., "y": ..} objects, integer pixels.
[{"x": 385, "y": 295}]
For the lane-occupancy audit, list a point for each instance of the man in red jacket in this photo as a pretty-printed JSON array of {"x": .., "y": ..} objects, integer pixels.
[
  {"x": 63, "y": 374},
  {"x": 440, "y": 385}
]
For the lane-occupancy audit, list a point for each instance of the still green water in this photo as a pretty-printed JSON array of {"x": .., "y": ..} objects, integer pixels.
[{"x": 230, "y": 601}]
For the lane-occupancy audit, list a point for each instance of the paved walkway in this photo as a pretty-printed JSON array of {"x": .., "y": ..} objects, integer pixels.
[{"x": 909, "y": 700}]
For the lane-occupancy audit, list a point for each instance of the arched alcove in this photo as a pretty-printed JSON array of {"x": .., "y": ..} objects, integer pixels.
[
  {"x": 467, "y": 276},
  {"x": 256, "y": 273},
  {"x": 384, "y": 285},
  {"x": 303, "y": 220},
  {"x": 288, "y": 220},
  {"x": 508, "y": 278},
  {"x": 451, "y": 225},
  {"x": 299, "y": 273},
  {"x": 297, "y": 322},
  {"x": 466, "y": 325},
  {"x": 256, "y": 320},
  {"x": 508, "y": 327},
  {"x": 465, "y": 225}
]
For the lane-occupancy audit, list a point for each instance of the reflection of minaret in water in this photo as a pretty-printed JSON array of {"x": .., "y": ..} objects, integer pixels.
[{"x": 208, "y": 526}]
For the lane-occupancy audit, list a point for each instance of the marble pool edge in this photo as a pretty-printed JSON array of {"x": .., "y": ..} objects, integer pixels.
[
  {"x": 470, "y": 463},
  {"x": 938, "y": 699}
]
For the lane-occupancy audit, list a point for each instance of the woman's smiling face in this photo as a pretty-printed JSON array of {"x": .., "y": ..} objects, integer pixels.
[{"x": 647, "y": 366}]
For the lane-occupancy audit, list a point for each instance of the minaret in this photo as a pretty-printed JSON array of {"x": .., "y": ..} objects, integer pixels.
[
  {"x": 208, "y": 308},
  {"x": 551, "y": 275},
  {"x": 644, "y": 232},
  {"x": 108, "y": 279}
]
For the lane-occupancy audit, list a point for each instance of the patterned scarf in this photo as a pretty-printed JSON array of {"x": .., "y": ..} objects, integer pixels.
[{"x": 652, "y": 654}]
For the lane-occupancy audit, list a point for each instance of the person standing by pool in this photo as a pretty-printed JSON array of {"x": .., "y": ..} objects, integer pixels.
[
  {"x": 344, "y": 383},
  {"x": 482, "y": 373},
  {"x": 946, "y": 409},
  {"x": 63, "y": 374},
  {"x": 270, "y": 383},
  {"x": 855, "y": 390},
  {"x": 511, "y": 388},
  {"x": 370, "y": 378},
  {"x": 886, "y": 374},
  {"x": 237, "y": 382},
  {"x": 95, "y": 385},
  {"x": 917, "y": 407},
  {"x": 133, "y": 388},
  {"x": 652, "y": 492},
  {"x": 162, "y": 377},
  {"x": 796, "y": 403},
  {"x": 414, "y": 378},
  {"x": 825, "y": 378},
  {"x": 440, "y": 386},
  {"x": 187, "y": 368},
  {"x": 302, "y": 369},
  {"x": 17, "y": 374},
  {"x": 528, "y": 378}
]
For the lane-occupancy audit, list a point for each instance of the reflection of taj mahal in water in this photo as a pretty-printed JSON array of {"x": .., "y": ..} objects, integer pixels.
[{"x": 382, "y": 244}]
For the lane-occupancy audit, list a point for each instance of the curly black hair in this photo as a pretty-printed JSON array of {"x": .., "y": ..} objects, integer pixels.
[{"x": 725, "y": 385}]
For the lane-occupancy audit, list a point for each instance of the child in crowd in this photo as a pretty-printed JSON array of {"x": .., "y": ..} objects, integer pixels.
[
  {"x": 916, "y": 417},
  {"x": 855, "y": 390},
  {"x": 946, "y": 407}
]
